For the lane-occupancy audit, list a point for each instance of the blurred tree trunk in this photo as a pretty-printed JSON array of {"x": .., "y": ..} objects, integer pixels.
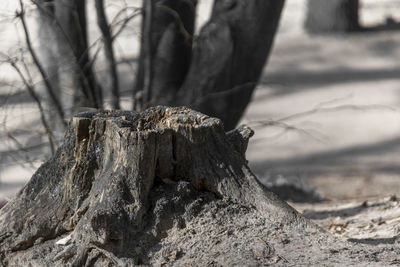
[
  {"x": 111, "y": 63},
  {"x": 170, "y": 32},
  {"x": 219, "y": 74},
  {"x": 64, "y": 52},
  {"x": 332, "y": 16},
  {"x": 229, "y": 57},
  {"x": 76, "y": 75},
  {"x": 48, "y": 55}
]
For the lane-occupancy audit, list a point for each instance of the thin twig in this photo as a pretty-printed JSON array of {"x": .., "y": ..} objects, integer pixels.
[
  {"x": 35, "y": 97},
  {"x": 125, "y": 22},
  {"x": 334, "y": 109},
  {"x": 21, "y": 148},
  {"x": 287, "y": 127},
  {"x": 282, "y": 122},
  {"x": 49, "y": 87}
]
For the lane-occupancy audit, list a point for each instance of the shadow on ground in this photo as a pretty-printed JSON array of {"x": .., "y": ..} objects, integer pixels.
[
  {"x": 376, "y": 241},
  {"x": 344, "y": 213},
  {"x": 305, "y": 80},
  {"x": 334, "y": 160}
]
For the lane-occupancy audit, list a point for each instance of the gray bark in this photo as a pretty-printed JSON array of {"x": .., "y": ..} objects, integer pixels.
[
  {"x": 324, "y": 16},
  {"x": 229, "y": 56},
  {"x": 219, "y": 74},
  {"x": 123, "y": 181}
]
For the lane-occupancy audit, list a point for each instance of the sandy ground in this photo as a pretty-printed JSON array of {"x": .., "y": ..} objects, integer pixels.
[
  {"x": 329, "y": 112},
  {"x": 326, "y": 117}
]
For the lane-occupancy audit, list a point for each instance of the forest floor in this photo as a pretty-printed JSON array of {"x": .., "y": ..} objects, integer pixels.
[{"x": 326, "y": 118}]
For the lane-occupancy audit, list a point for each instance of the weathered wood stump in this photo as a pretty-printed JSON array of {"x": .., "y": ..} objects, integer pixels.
[{"x": 126, "y": 188}]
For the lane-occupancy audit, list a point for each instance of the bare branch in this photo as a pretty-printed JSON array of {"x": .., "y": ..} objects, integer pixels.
[
  {"x": 21, "y": 148},
  {"x": 124, "y": 22},
  {"x": 282, "y": 122},
  {"x": 336, "y": 108},
  {"x": 289, "y": 128},
  {"x": 48, "y": 85},
  {"x": 35, "y": 97}
]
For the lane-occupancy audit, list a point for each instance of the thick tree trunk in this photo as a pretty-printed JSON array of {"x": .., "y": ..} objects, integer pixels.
[
  {"x": 229, "y": 56},
  {"x": 167, "y": 34},
  {"x": 124, "y": 181},
  {"x": 218, "y": 77},
  {"x": 324, "y": 16}
]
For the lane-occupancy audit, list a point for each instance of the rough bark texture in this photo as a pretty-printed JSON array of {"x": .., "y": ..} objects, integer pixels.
[
  {"x": 324, "y": 16},
  {"x": 124, "y": 186},
  {"x": 229, "y": 56}
]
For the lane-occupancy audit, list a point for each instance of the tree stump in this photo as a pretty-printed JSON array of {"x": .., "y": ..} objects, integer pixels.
[{"x": 148, "y": 188}]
